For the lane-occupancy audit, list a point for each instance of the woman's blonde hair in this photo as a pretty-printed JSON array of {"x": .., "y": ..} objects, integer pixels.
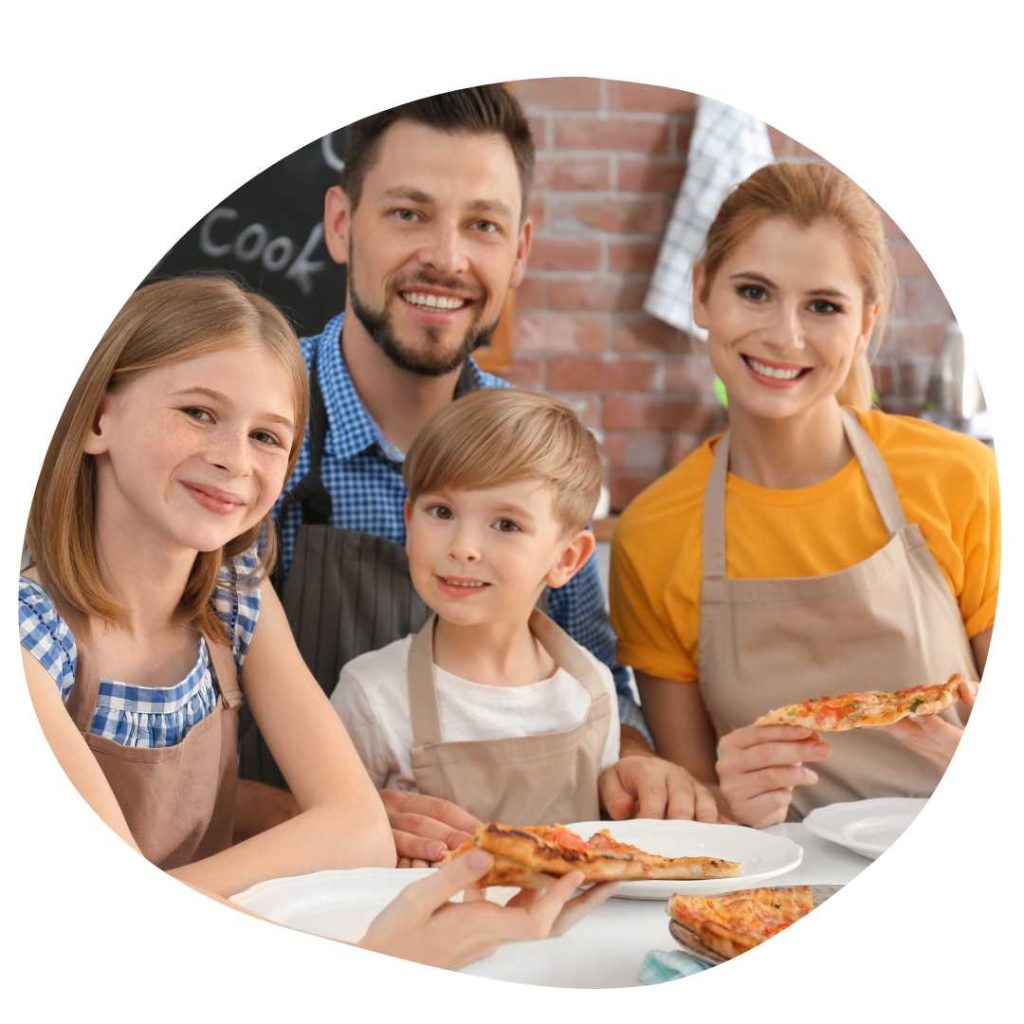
[
  {"x": 807, "y": 193},
  {"x": 161, "y": 323},
  {"x": 498, "y": 435}
]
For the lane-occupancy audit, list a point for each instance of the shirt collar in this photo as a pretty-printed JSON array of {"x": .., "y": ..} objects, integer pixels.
[{"x": 350, "y": 428}]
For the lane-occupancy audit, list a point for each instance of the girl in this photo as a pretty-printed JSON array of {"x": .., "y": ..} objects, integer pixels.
[
  {"x": 146, "y": 617},
  {"x": 819, "y": 546}
]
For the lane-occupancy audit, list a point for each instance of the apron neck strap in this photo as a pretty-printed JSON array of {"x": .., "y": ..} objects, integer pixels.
[
  {"x": 423, "y": 706},
  {"x": 713, "y": 542},
  {"x": 222, "y": 659},
  {"x": 876, "y": 472},
  {"x": 310, "y": 491},
  {"x": 423, "y": 709},
  {"x": 467, "y": 381}
]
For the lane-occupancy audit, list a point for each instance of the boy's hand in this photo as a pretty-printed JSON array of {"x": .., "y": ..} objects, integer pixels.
[
  {"x": 645, "y": 786},
  {"x": 425, "y": 827}
]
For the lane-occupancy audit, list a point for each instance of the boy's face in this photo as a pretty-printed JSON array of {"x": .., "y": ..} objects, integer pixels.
[{"x": 483, "y": 556}]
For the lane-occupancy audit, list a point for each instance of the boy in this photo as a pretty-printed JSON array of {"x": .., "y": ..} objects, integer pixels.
[{"x": 491, "y": 705}]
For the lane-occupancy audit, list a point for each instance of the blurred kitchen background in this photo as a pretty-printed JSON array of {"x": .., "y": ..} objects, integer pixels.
[{"x": 592, "y": 322}]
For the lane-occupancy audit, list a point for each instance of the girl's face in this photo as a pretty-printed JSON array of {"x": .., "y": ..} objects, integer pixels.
[
  {"x": 193, "y": 453},
  {"x": 785, "y": 316}
]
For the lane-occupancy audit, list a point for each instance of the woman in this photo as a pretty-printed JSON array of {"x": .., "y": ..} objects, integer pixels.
[
  {"x": 146, "y": 619},
  {"x": 819, "y": 546}
]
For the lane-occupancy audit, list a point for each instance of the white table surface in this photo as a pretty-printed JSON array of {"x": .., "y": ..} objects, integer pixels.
[{"x": 335, "y": 904}]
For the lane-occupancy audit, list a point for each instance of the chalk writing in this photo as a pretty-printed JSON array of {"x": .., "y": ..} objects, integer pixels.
[{"x": 253, "y": 243}]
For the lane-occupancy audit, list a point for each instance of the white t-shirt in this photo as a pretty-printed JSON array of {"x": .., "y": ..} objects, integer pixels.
[{"x": 372, "y": 698}]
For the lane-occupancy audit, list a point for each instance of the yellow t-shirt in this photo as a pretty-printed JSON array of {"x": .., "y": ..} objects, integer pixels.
[{"x": 946, "y": 482}]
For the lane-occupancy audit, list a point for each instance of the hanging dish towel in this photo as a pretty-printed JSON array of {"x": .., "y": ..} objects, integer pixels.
[{"x": 727, "y": 146}]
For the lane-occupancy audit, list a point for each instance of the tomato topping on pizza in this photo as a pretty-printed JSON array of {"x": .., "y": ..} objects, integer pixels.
[
  {"x": 867, "y": 709},
  {"x": 735, "y": 922},
  {"x": 530, "y": 855}
]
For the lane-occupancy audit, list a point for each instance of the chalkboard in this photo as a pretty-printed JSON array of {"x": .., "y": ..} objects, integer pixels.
[{"x": 269, "y": 233}]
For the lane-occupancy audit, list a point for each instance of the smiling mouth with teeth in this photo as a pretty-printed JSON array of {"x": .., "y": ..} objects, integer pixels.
[
  {"x": 425, "y": 300},
  {"x": 776, "y": 372},
  {"x": 455, "y": 581}
]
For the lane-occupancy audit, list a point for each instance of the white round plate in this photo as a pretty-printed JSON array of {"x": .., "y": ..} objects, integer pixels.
[
  {"x": 762, "y": 855},
  {"x": 603, "y": 950},
  {"x": 339, "y": 904},
  {"x": 868, "y": 827}
]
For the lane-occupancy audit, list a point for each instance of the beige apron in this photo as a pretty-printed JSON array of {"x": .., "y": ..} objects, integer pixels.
[
  {"x": 884, "y": 624},
  {"x": 546, "y": 779},
  {"x": 178, "y": 801}
]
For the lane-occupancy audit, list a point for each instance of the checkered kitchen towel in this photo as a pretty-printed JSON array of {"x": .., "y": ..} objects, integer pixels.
[
  {"x": 727, "y": 146},
  {"x": 667, "y": 965}
]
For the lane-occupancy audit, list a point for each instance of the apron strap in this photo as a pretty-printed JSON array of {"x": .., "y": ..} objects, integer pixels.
[
  {"x": 876, "y": 472},
  {"x": 423, "y": 706},
  {"x": 222, "y": 659},
  {"x": 424, "y": 712},
  {"x": 467, "y": 381},
  {"x": 713, "y": 540},
  {"x": 566, "y": 653},
  {"x": 309, "y": 493}
]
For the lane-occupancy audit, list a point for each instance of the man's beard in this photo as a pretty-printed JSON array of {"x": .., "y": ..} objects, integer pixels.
[{"x": 429, "y": 363}]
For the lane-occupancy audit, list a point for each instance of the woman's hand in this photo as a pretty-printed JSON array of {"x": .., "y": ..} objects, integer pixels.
[
  {"x": 933, "y": 737},
  {"x": 759, "y": 765},
  {"x": 421, "y": 924}
]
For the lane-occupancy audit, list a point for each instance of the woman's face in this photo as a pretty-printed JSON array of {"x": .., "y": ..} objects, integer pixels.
[
  {"x": 193, "y": 453},
  {"x": 785, "y": 317}
]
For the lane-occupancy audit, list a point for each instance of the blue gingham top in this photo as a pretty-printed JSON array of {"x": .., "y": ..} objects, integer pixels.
[
  {"x": 362, "y": 472},
  {"x": 144, "y": 716}
]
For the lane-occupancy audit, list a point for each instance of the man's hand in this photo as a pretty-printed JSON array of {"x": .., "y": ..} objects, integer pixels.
[
  {"x": 425, "y": 827},
  {"x": 645, "y": 786}
]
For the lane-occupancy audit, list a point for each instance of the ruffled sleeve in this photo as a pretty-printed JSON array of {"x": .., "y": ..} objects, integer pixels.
[
  {"x": 236, "y": 600},
  {"x": 45, "y": 635}
]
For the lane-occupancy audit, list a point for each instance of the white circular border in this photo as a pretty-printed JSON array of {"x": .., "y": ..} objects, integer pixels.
[{"x": 122, "y": 127}]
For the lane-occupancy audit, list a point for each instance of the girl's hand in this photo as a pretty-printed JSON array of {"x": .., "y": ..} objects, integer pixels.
[
  {"x": 759, "y": 765},
  {"x": 933, "y": 737},
  {"x": 421, "y": 924}
]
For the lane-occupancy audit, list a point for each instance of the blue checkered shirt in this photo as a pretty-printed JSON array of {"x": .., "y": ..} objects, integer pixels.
[
  {"x": 143, "y": 716},
  {"x": 362, "y": 472}
]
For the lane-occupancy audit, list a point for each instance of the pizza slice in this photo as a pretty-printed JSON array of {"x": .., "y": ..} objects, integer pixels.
[
  {"x": 870, "y": 708},
  {"x": 529, "y": 856},
  {"x": 731, "y": 924}
]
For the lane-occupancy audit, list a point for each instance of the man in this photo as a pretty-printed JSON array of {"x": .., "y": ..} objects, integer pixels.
[{"x": 430, "y": 218}]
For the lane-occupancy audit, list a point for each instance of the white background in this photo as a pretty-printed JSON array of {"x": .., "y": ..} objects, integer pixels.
[{"x": 122, "y": 128}]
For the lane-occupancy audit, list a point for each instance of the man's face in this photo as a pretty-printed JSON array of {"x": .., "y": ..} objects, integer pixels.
[{"x": 434, "y": 244}]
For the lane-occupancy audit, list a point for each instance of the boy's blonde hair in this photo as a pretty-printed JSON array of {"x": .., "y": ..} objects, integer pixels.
[
  {"x": 495, "y": 436},
  {"x": 162, "y": 323}
]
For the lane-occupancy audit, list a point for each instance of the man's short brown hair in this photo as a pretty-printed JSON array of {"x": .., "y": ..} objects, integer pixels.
[
  {"x": 483, "y": 109},
  {"x": 495, "y": 436}
]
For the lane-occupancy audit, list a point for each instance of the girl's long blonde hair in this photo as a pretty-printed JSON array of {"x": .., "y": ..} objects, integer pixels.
[
  {"x": 162, "y": 323},
  {"x": 807, "y": 193}
]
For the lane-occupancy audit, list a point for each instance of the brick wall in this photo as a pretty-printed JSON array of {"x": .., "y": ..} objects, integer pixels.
[{"x": 610, "y": 159}]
